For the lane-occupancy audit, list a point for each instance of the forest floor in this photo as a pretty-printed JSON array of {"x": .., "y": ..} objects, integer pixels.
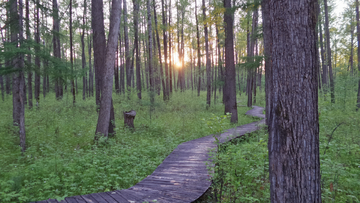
[
  {"x": 63, "y": 160},
  {"x": 241, "y": 170}
]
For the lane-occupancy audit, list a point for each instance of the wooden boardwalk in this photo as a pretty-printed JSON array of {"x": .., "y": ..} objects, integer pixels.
[{"x": 181, "y": 177}]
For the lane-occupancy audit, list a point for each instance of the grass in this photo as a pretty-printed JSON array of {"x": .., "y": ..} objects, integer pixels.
[
  {"x": 241, "y": 171},
  {"x": 62, "y": 159}
]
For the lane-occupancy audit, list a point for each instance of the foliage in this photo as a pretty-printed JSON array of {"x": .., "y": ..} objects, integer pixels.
[
  {"x": 241, "y": 169},
  {"x": 63, "y": 160}
]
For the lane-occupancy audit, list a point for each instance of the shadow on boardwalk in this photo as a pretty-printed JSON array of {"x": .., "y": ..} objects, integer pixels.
[{"x": 181, "y": 177}]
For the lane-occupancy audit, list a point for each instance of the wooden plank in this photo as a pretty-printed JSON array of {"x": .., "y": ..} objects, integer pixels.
[
  {"x": 156, "y": 195},
  {"x": 70, "y": 200},
  {"x": 119, "y": 198},
  {"x": 90, "y": 199},
  {"x": 128, "y": 195},
  {"x": 103, "y": 197},
  {"x": 176, "y": 186},
  {"x": 79, "y": 199}
]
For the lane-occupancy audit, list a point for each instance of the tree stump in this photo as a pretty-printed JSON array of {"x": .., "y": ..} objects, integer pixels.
[{"x": 129, "y": 117}]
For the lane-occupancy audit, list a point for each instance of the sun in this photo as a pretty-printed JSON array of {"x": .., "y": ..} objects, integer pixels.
[{"x": 178, "y": 64}]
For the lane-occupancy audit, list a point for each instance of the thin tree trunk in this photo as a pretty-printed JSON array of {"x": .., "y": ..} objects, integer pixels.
[
  {"x": 91, "y": 73},
  {"x": 37, "y": 59},
  {"x": 138, "y": 62},
  {"x": 254, "y": 46},
  {"x": 28, "y": 37},
  {"x": 16, "y": 29},
  {"x": 45, "y": 67},
  {"x": 170, "y": 48},
  {"x": 150, "y": 47},
  {"x": 83, "y": 59},
  {"x": 198, "y": 48},
  {"x": 208, "y": 79},
  {"x": 127, "y": 49},
  {"x": 230, "y": 81},
  {"x": 159, "y": 50},
  {"x": 164, "y": 20},
  {"x": 324, "y": 67},
  {"x": 358, "y": 59},
  {"x": 250, "y": 54},
  {"x": 71, "y": 55},
  {"x": 122, "y": 69},
  {"x": 351, "y": 48},
  {"x": 328, "y": 50}
]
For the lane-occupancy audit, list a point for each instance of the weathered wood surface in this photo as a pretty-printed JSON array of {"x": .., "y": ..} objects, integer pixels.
[{"x": 182, "y": 177}]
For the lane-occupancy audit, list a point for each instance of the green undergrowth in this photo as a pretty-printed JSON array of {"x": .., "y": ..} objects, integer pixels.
[
  {"x": 62, "y": 159},
  {"x": 241, "y": 169}
]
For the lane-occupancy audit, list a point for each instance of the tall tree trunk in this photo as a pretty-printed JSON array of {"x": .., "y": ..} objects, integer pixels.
[
  {"x": 101, "y": 60},
  {"x": 106, "y": 106},
  {"x": 127, "y": 49},
  {"x": 45, "y": 67},
  {"x": 328, "y": 55},
  {"x": 250, "y": 54},
  {"x": 138, "y": 62},
  {"x": 351, "y": 59},
  {"x": 254, "y": 49},
  {"x": 150, "y": 47},
  {"x": 83, "y": 59},
  {"x": 16, "y": 29},
  {"x": 293, "y": 125},
  {"x": 208, "y": 71},
  {"x": 91, "y": 72},
  {"x": 198, "y": 49},
  {"x": 122, "y": 69},
  {"x": 37, "y": 58},
  {"x": 116, "y": 70},
  {"x": 2, "y": 86},
  {"x": 230, "y": 81},
  {"x": 28, "y": 37},
  {"x": 358, "y": 54},
  {"x": 170, "y": 48},
  {"x": 159, "y": 50},
  {"x": 324, "y": 67},
  {"x": 167, "y": 87},
  {"x": 71, "y": 55}
]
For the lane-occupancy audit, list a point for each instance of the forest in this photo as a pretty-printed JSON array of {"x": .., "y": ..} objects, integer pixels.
[{"x": 72, "y": 71}]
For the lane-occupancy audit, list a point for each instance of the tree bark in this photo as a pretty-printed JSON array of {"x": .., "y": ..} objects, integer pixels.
[
  {"x": 293, "y": 124},
  {"x": 37, "y": 59},
  {"x": 91, "y": 73},
  {"x": 250, "y": 55},
  {"x": 198, "y": 49},
  {"x": 150, "y": 47},
  {"x": 164, "y": 20},
  {"x": 159, "y": 51},
  {"x": 16, "y": 29},
  {"x": 328, "y": 54},
  {"x": 127, "y": 49},
  {"x": 105, "y": 117},
  {"x": 358, "y": 50},
  {"x": 136, "y": 44},
  {"x": 230, "y": 81},
  {"x": 71, "y": 55},
  {"x": 170, "y": 60},
  {"x": 28, "y": 37},
  {"x": 324, "y": 67},
  {"x": 83, "y": 59},
  {"x": 208, "y": 71}
]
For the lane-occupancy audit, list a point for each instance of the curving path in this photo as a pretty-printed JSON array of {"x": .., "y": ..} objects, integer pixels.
[{"x": 181, "y": 177}]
